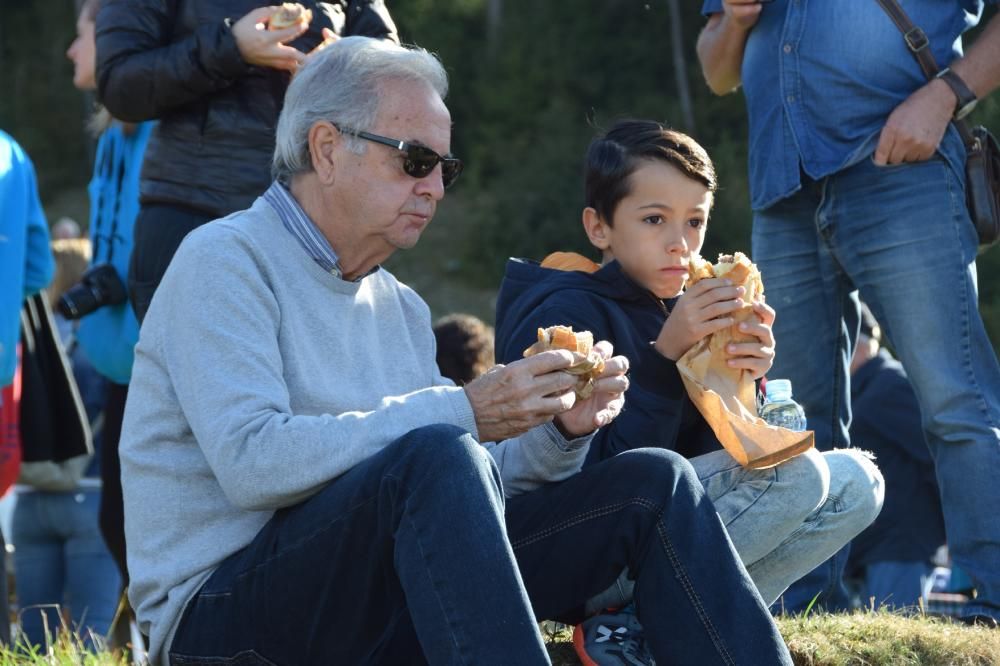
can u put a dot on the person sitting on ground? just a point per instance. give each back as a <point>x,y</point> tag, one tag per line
<point>464,347</point>
<point>649,191</point>
<point>303,487</point>
<point>892,558</point>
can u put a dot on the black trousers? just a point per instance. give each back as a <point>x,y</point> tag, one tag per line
<point>112,513</point>
<point>159,230</point>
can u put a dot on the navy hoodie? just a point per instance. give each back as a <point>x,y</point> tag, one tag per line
<point>608,303</point>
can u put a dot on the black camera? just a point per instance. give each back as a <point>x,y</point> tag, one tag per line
<point>98,287</point>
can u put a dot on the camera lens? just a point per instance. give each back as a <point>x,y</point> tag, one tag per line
<point>98,287</point>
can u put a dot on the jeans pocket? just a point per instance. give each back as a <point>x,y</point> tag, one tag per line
<point>242,658</point>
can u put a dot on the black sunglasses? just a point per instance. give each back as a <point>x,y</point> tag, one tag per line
<point>419,161</point>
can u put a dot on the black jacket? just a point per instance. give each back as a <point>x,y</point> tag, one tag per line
<point>177,61</point>
<point>609,304</point>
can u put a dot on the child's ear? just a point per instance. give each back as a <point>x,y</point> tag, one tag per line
<point>596,228</point>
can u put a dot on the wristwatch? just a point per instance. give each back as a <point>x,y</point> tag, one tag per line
<point>966,98</point>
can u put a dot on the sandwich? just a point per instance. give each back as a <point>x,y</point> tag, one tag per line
<point>587,363</point>
<point>736,267</point>
<point>288,15</point>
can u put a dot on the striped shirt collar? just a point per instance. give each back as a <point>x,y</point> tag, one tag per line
<point>304,230</point>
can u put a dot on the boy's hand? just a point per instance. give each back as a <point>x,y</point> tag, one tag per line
<point>604,404</point>
<point>758,356</point>
<point>700,311</point>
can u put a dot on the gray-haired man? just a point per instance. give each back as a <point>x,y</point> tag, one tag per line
<point>303,487</point>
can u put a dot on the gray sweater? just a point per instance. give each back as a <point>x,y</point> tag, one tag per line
<point>258,379</point>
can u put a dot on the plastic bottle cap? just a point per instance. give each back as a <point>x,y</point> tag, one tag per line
<point>779,389</point>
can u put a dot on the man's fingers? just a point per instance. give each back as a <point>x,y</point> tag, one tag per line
<point>617,384</point>
<point>616,365</point>
<point>550,361</point>
<point>557,404</point>
<point>885,143</point>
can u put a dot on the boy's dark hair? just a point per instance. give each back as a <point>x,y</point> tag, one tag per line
<point>613,158</point>
<point>464,347</point>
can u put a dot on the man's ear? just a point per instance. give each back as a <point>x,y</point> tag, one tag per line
<point>324,139</point>
<point>597,229</point>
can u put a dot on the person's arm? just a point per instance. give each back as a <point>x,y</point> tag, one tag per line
<point>39,264</point>
<point>370,18</point>
<point>915,128</point>
<point>722,41</point>
<point>142,74</point>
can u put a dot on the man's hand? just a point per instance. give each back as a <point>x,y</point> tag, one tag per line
<point>700,311</point>
<point>756,357</point>
<point>604,404</point>
<point>512,399</point>
<point>914,128</point>
<point>266,48</point>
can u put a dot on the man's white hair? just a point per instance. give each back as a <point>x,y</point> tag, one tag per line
<point>343,84</point>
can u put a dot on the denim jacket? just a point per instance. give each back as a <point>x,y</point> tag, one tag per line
<point>822,77</point>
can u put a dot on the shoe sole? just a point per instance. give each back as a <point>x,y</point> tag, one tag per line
<point>578,641</point>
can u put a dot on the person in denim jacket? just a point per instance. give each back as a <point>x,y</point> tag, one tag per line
<point>858,189</point>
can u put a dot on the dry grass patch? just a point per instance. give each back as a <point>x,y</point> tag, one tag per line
<point>876,638</point>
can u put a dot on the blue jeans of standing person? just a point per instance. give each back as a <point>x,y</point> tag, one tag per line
<point>901,237</point>
<point>60,559</point>
<point>414,556</point>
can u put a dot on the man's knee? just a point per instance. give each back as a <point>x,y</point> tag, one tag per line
<point>654,473</point>
<point>444,450</point>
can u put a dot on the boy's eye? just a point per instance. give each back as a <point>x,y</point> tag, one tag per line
<point>653,219</point>
<point>696,222</point>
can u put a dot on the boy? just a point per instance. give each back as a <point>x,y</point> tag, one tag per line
<point>649,191</point>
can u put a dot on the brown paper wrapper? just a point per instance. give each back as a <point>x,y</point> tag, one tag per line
<point>726,397</point>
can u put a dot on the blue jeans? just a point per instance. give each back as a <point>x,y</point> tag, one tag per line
<point>901,237</point>
<point>61,559</point>
<point>894,584</point>
<point>412,557</point>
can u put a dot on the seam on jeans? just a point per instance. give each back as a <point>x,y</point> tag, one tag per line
<point>452,632</point>
<point>689,590</point>
<point>966,317</point>
<point>836,369</point>
<point>597,512</point>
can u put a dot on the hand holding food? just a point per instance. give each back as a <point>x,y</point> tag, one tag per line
<point>588,365</point>
<point>288,15</point>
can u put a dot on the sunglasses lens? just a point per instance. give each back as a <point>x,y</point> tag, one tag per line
<point>420,161</point>
<point>450,168</point>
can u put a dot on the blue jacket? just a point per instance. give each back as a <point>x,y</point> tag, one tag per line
<point>26,263</point>
<point>609,304</point>
<point>108,335</point>
<point>886,421</point>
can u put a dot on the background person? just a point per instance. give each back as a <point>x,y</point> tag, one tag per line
<point>865,198</point>
<point>108,332</point>
<point>60,559</point>
<point>464,347</point>
<point>215,77</point>
<point>26,267</point>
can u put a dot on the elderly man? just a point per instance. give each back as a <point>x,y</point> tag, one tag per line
<point>303,487</point>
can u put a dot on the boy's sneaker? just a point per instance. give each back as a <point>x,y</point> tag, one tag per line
<point>612,638</point>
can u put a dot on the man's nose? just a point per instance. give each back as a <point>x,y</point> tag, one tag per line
<point>431,185</point>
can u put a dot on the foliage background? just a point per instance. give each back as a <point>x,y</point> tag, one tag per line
<point>531,83</point>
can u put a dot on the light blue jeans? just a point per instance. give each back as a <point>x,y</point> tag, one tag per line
<point>60,558</point>
<point>901,237</point>
<point>785,520</point>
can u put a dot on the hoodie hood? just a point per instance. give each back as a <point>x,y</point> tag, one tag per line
<point>527,284</point>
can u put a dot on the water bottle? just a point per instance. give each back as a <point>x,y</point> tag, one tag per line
<point>779,409</point>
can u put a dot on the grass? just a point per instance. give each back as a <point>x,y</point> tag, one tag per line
<point>864,638</point>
